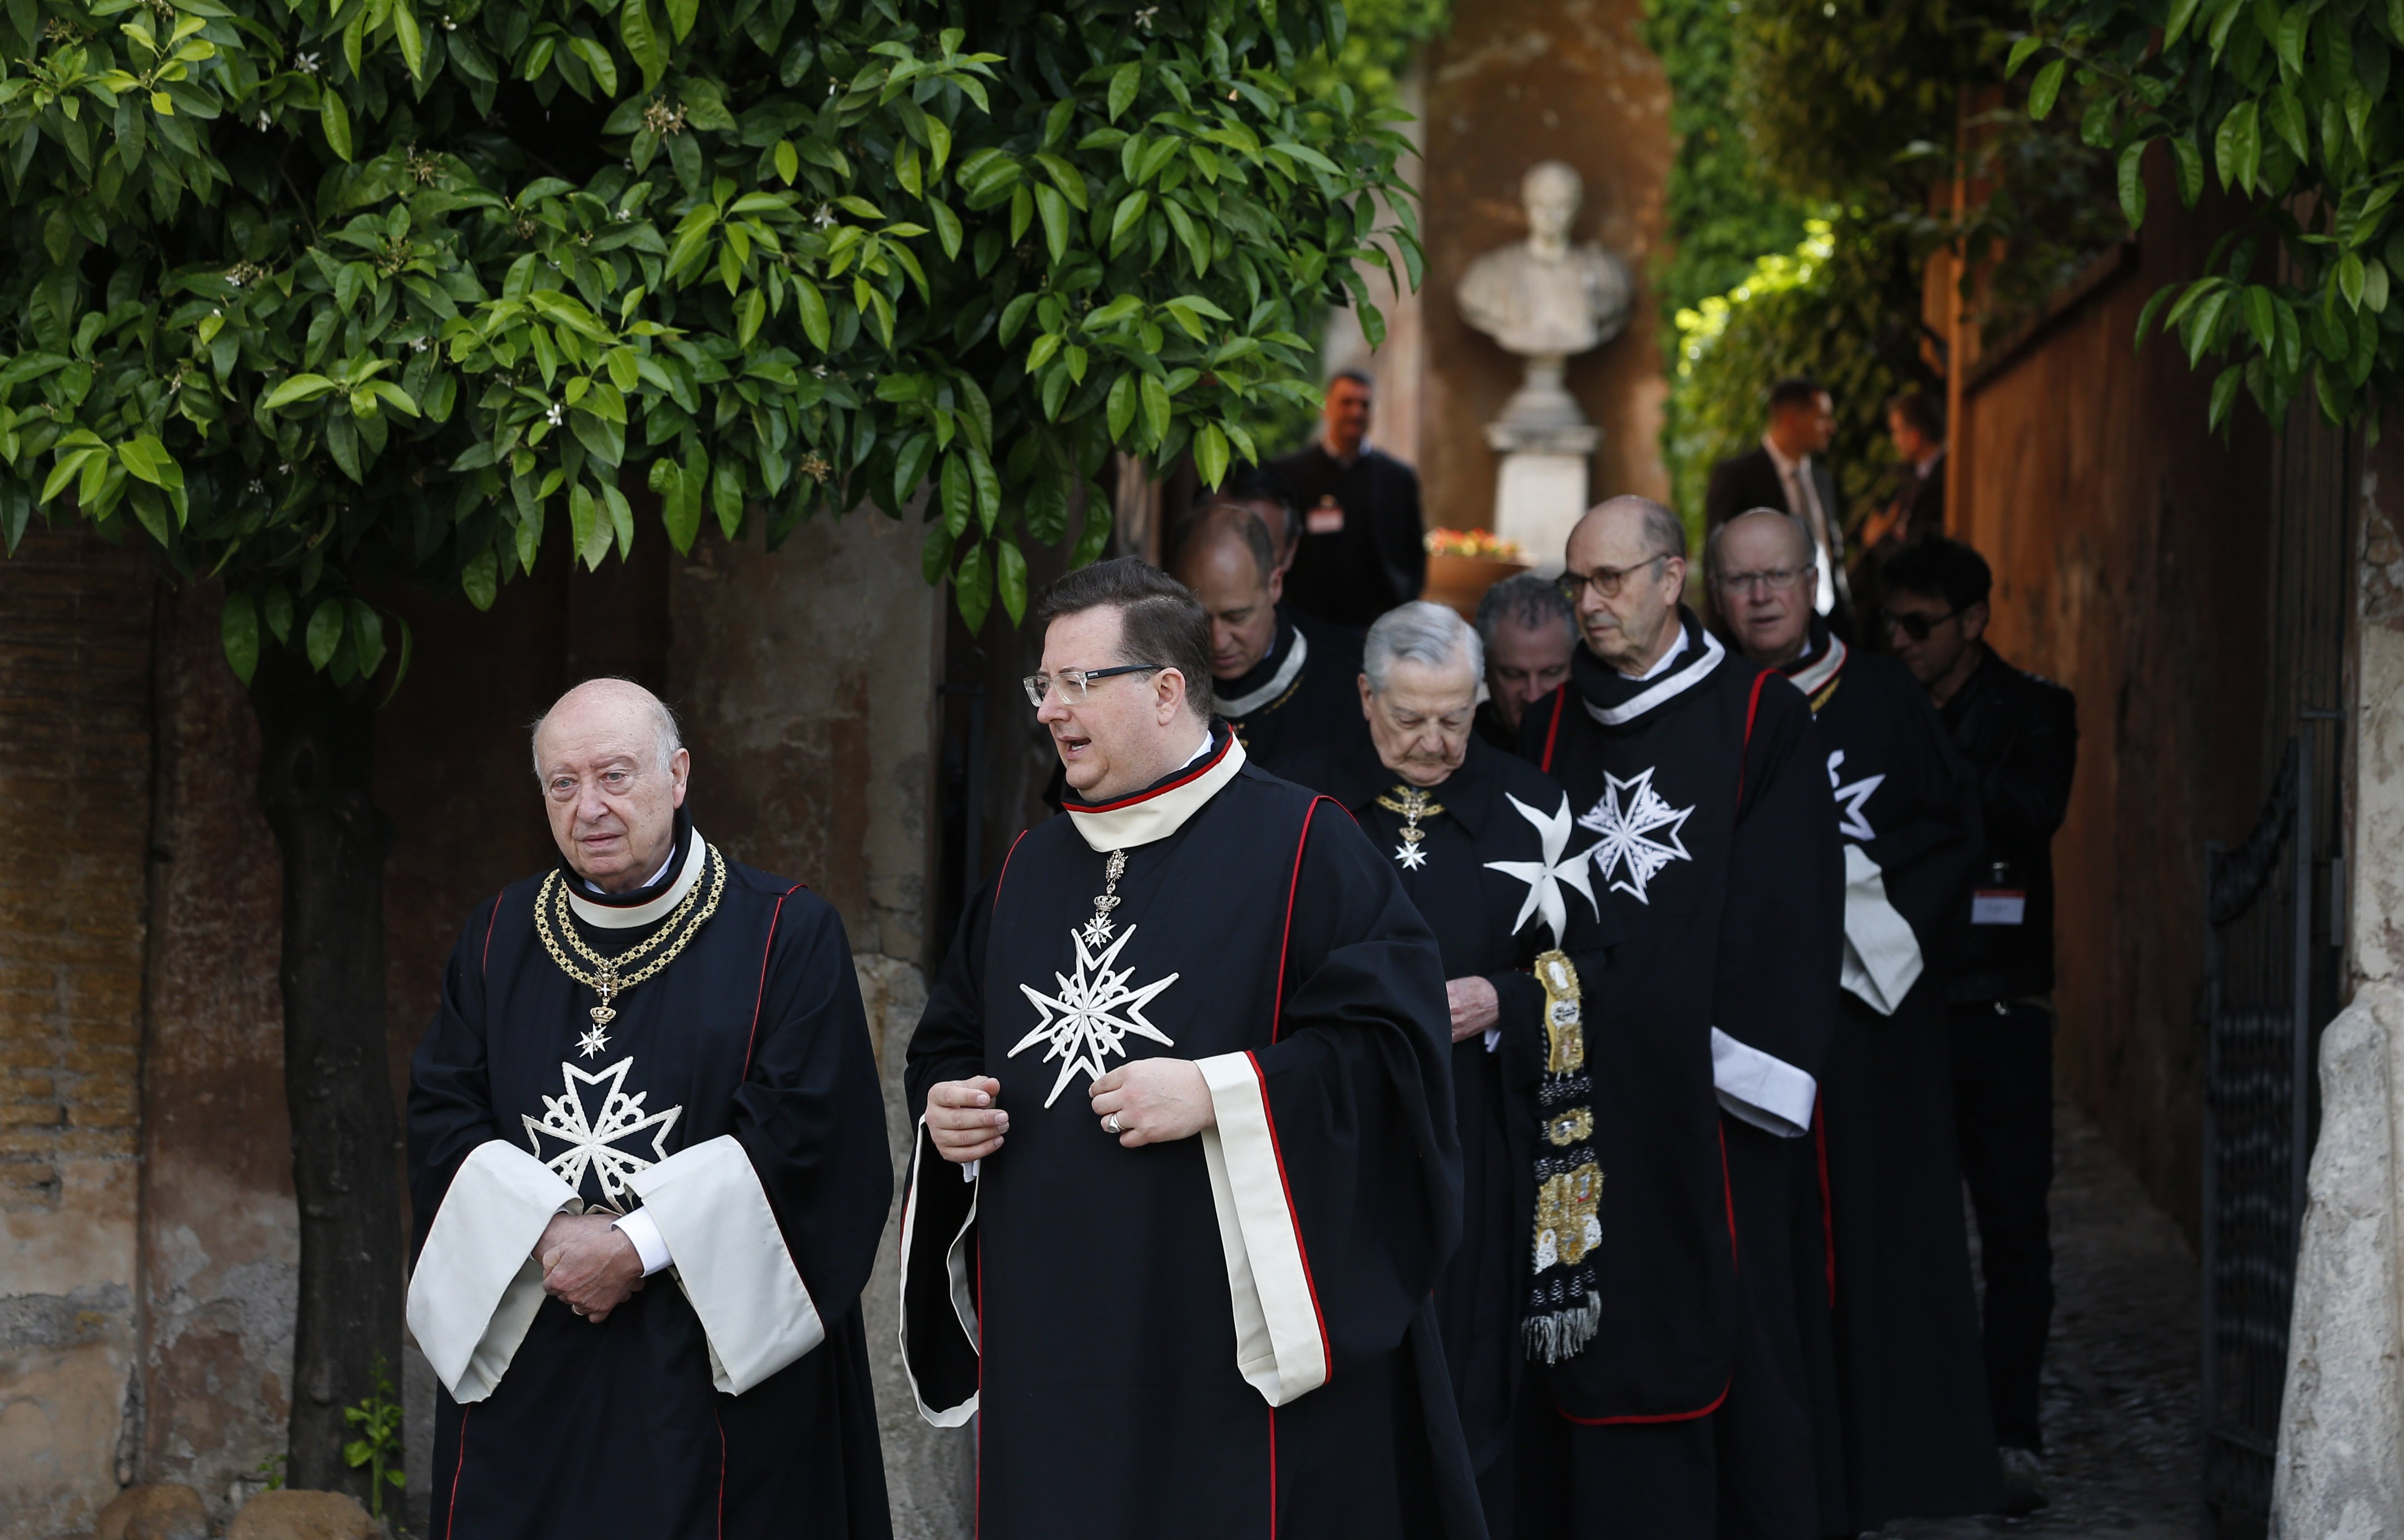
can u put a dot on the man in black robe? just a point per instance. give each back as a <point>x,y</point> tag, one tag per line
<point>1364,547</point>
<point>1185,1172</point>
<point>1917,1438</point>
<point>650,1059</point>
<point>1285,683</point>
<point>1482,843</point>
<point>1715,856</point>
<point>1528,633</point>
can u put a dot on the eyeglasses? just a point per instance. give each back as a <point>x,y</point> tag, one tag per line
<point>1605,581</point>
<point>1074,682</point>
<point>1913,624</point>
<point>1776,579</point>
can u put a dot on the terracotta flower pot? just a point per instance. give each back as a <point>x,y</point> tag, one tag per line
<point>1461,581</point>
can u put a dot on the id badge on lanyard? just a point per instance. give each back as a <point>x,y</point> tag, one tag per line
<point>1998,907</point>
<point>1325,518</point>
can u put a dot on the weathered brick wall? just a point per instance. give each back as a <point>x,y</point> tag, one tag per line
<point>75,809</point>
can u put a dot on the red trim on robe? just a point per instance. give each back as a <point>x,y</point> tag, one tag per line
<point>1727,1193</point>
<point>450,1514</point>
<point>1194,774</point>
<point>1326,1346</point>
<point>1553,728</point>
<point>721,1475</point>
<point>1752,705</point>
<point>765,953</point>
<point>490,920</point>
<point>1654,1417</point>
<point>1285,936</point>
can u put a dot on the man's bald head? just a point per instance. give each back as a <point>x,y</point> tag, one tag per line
<point>1229,563</point>
<point>1626,565</point>
<point>1755,526</point>
<point>613,771</point>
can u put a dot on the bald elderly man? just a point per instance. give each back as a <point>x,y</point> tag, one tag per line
<point>648,1059</point>
<point>1283,681</point>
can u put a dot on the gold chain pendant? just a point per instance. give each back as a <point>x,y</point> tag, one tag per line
<point>606,978</point>
<point>1413,803</point>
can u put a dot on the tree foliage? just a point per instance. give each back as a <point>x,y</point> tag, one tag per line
<point>1722,210</point>
<point>310,293</point>
<point>2291,107</point>
<point>1829,309</point>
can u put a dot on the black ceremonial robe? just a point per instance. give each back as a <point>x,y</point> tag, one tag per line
<point>735,1099</point>
<point>1298,711</point>
<point>1919,1440</point>
<point>1229,1335</point>
<point>1491,922</point>
<point>1706,798</point>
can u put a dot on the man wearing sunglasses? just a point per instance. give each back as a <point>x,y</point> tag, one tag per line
<point>2020,735</point>
<point>1907,1390</point>
<point>1187,1169</point>
<point>1700,779</point>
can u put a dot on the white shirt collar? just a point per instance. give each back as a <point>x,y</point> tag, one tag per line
<point>696,858</point>
<point>1778,457</point>
<point>1658,670</point>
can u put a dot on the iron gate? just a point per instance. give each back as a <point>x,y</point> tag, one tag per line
<point>2275,947</point>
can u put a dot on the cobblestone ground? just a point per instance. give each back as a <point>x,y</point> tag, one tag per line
<point>2120,1370</point>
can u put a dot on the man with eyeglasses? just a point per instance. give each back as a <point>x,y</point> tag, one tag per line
<point>1907,1386</point>
<point>2020,735</point>
<point>1186,1171</point>
<point>1282,681</point>
<point>1700,780</point>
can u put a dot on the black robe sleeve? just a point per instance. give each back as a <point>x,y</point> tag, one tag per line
<point>1345,1135</point>
<point>1774,1000</point>
<point>450,1092</point>
<point>810,1103</point>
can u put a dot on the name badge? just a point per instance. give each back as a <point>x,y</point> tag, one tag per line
<point>1998,907</point>
<point>1327,518</point>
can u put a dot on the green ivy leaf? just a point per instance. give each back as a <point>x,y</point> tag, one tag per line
<point>2132,181</point>
<point>325,633</point>
<point>238,631</point>
<point>480,579</point>
<point>972,586</point>
<point>335,119</point>
<point>367,638</point>
<point>2190,169</point>
<point>2047,86</point>
<point>1124,81</point>
<point>2030,44</point>
<point>1010,576</point>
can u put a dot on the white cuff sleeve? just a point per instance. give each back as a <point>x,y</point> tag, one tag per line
<point>1280,1343</point>
<point>1881,954</point>
<point>478,1286</point>
<point>731,1261</point>
<point>1761,1090</point>
<point>650,1244</point>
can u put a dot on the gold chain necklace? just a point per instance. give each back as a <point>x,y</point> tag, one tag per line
<point>607,977</point>
<point>1414,805</point>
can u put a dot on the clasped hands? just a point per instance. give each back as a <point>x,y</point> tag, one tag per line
<point>589,1263</point>
<point>1148,1102</point>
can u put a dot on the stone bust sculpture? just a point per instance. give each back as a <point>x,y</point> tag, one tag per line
<point>1543,297</point>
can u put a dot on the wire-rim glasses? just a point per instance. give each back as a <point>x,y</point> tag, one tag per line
<point>1073,682</point>
<point>1775,579</point>
<point>1606,582</point>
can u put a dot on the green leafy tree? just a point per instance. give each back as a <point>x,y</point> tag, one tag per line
<point>318,295</point>
<point>2292,108</point>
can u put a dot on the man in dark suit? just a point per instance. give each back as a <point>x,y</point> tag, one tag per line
<point>1913,504</point>
<point>1363,549</point>
<point>1786,473</point>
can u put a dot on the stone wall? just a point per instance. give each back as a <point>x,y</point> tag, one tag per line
<point>75,805</point>
<point>2341,1471</point>
<point>2129,547</point>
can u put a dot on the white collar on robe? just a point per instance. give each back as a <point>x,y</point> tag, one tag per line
<point>1157,814</point>
<point>1817,672</point>
<point>696,858</point>
<point>1235,706</point>
<point>1669,687</point>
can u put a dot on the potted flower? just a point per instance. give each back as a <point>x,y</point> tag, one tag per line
<point>1464,563</point>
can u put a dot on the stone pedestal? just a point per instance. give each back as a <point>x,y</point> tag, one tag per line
<point>1547,444</point>
<point>1538,497</point>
